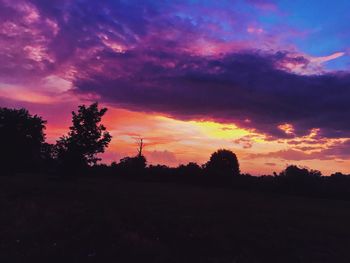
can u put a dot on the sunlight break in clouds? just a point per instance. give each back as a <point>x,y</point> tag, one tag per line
<point>190,77</point>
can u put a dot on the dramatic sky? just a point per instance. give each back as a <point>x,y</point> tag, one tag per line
<point>269,80</point>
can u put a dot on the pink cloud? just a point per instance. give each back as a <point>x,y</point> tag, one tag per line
<point>162,157</point>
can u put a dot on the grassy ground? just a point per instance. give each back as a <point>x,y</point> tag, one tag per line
<point>109,220</point>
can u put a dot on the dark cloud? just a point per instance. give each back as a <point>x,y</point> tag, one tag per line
<point>290,155</point>
<point>340,150</point>
<point>245,141</point>
<point>244,88</point>
<point>157,57</point>
<point>308,148</point>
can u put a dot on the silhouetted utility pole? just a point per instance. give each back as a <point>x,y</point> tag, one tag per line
<point>141,145</point>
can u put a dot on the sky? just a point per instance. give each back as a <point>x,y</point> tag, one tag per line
<point>268,80</point>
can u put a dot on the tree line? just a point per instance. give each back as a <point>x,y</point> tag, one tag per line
<point>24,149</point>
<point>23,145</point>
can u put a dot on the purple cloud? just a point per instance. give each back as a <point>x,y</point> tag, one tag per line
<point>231,88</point>
<point>340,150</point>
<point>167,58</point>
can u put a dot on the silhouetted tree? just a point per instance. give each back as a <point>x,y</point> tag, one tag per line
<point>134,163</point>
<point>339,175</point>
<point>299,180</point>
<point>339,179</point>
<point>293,171</point>
<point>86,138</point>
<point>160,170</point>
<point>132,166</point>
<point>47,156</point>
<point>140,149</point>
<point>21,139</point>
<point>223,162</point>
<point>114,165</point>
<point>190,169</point>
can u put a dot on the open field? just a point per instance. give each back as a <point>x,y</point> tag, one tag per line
<point>109,220</point>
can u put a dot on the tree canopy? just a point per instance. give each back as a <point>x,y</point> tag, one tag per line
<point>223,162</point>
<point>21,139</point>
<point>87,137</point>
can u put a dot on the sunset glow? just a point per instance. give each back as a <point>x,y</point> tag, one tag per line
<point>268,80</point>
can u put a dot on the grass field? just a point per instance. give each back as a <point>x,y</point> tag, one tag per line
<point>110,220</point>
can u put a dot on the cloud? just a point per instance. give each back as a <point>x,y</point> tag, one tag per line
<point>24,41</point>
<point>289,155</point>
<point>41,37</point>
<point>245,141</point>
<point>265,5</point>
<point>231,88</point>
<point>161,157</point>
<point>340,150</point>
<point>166,58</point>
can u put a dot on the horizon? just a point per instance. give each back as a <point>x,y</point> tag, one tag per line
<point>268,80</point>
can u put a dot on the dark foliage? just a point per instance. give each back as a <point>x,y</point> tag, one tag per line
<point>191,169</point>
<point>86,138</point>
<point>223,163</point>
<point>21,139</point>
<point>294,172</point>
<point>133,166</point>
<point>47,156</point>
